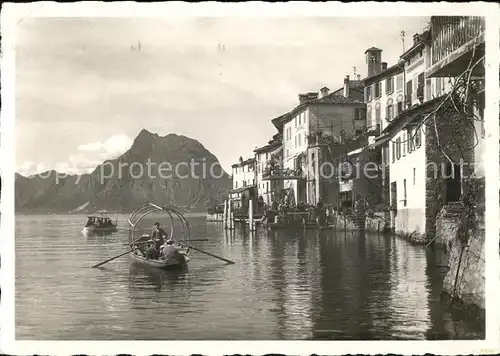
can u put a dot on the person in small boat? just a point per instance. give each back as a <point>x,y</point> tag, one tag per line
<point>158,235</point>
<point>169,252</point>
<point>89,221</point>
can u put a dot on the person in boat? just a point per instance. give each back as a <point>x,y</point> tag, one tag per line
<point>158,236</point>
<point>89,221</point>
<point>169,252</point>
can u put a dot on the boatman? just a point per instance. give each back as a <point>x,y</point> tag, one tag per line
<point>158,236</point>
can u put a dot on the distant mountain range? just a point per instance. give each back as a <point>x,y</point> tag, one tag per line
<point>171,180</point>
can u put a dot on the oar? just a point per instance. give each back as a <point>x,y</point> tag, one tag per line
<point>149,241</point>
<point>111,259</point>
<point>208,253</point>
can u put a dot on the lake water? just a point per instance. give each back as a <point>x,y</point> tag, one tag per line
<point>284,285</point>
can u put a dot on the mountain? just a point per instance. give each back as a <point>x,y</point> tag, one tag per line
<point>172,169</point>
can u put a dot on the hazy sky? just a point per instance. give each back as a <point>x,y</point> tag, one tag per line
<point>83,93</point>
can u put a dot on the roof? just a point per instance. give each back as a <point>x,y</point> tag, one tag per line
<point>242,189</point>
<point>406,115</point>
<point>383,74</point>
<point>269,147</point>
<point>331,99</point>
<point>244,163</point>
<point>373,49</point>
<point>424,36</point>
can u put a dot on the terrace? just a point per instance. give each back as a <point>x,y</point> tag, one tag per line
<point>456,41</point>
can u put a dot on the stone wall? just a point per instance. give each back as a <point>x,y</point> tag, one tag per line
<point>455,137</point>
<point>465,277</point>
<point>378,222</point>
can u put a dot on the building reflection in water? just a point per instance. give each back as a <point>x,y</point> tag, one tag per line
<point>408,291</point>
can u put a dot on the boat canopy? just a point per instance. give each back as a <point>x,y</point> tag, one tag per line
<point>144,210</point>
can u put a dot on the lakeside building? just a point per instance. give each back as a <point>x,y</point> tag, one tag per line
<point>424,158</point>
<point>320,118</point>
<point>244,179</point>
<point>267,157</point>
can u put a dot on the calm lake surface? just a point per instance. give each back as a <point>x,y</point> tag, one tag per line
<point>284,285</point>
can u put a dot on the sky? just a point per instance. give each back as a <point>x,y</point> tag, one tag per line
<point>84,91</point>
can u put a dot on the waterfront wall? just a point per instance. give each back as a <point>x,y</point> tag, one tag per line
<point>375,223</point>
<point>465,277</point>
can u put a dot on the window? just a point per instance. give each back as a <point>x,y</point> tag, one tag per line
<point>418,138</point>
<point>389,85</point>
<point>360,114</point>
<point>368,93</point>
<point>414,175</point>
<point>253,181</point>
<point>400,106</point>
<point>398,148</point>
<point>287,152</point>
<point>409,134</point>
<point>305,139</point>
<point>403,143</point>
<point>390,112</point>
<point>236,185</point>
<point>378,87</point>
<point>295,141</point>
<point>267,186</point>
<point>404,192</point>
<point>300,117</point>
<point>377,115</point>
<point>393,152</point>
<point>409,89</point>
<point>399,82</point>
<point>295,121</point>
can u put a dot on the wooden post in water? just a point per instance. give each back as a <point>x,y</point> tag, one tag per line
<point>224,216</point>
<point>230,213</point>
<point>251,224</point>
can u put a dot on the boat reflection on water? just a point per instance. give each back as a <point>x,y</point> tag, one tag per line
<point>146,276</point>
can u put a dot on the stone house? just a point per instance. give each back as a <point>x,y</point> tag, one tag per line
<point>318,118</point>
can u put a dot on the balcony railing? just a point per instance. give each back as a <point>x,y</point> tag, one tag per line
<point>451,32</point>
<point>281,173</point>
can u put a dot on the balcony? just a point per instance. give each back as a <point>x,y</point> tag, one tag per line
<point>345,186</point>
<point>278,173</point>
<point>454,40</point>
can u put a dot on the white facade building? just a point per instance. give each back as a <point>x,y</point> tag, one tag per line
<point>243,173</point>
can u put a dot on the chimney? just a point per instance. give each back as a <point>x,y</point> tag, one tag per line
<point>302,98</point>
<point>346,86</point>
<point>324,91</point>
<point>312,96</point>
<point>416,39</point>
<point>384,65</point>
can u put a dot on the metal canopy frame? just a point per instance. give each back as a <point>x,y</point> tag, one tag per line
<point>146,209</point>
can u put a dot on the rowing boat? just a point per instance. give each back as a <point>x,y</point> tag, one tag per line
<point>139,243</point>
<point>160,263</point>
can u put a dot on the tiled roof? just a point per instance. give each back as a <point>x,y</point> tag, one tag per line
<point>244,163</point>
<point>335,99</point>
<point>329,99</point>
<point>373,49</point>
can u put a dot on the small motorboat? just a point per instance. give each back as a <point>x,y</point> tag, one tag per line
<point>100,223</point>
<point>140,244</point>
